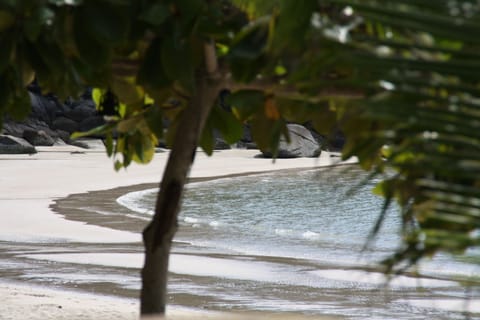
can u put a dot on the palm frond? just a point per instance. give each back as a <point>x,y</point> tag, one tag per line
<point>424,104</point>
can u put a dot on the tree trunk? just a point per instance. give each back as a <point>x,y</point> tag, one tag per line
<point>158,235</point>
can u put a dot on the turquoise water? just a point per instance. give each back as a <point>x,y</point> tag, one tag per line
<point>294,241</point>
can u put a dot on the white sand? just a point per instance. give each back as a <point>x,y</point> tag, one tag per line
<point>29,184</point>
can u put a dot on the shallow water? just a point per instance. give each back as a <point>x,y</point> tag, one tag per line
<point>317,222</point>
<point>285,241</point>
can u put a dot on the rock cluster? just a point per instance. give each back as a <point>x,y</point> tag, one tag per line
<point>49,122</point>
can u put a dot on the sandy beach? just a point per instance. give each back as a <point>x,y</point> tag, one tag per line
<point>29,184</point>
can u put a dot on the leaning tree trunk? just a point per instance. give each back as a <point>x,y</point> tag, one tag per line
<point>158,235</point>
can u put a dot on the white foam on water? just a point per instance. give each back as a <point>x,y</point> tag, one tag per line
<point>191,220</point>
<point>310,235</point>
<point>283,232</point>
<point>214,224</point>
<point>132,201</point>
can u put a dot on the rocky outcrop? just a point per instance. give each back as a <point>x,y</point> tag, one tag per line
<point>15,145</point>
<point>302,144</point>
<point>38,138</point>
<point>65,124</point>
<point>50,120</point>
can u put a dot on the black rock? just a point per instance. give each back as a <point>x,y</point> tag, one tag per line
<point>64,136</point>
<point>38,138</point>
<point>65,124</point>
<point>43,108</point>
<point>81,112</point>
<point>302,144</point>
<point>14,145</point>
<point>18,128</point>
<point>91,123</point>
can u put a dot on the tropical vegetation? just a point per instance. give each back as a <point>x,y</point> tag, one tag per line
<point>398,78</point>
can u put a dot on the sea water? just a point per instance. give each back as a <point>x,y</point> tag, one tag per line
<point>324,215</point>
<point>296,241</point>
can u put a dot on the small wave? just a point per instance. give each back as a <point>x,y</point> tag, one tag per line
<point>310,235</point>
<point>191,220</point>
<point>283,232</point>
<point>214,224</point>
<point>135,201</point>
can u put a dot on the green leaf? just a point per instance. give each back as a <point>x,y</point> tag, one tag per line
<point>207,140</point>
<point>229,127</point>
<point>19,105</point>
<point>106,128</point>
<point>52,55</point>
<point>246,103</point>
<point>267,133</point>
<point>39,18</point>
<point>7,19</point>
<point>293,21</point>
<point>154,119</point>
<point>92,51</point>
<point>109,144</point>
<point>156,14</point>
<point>97,96</point>
<point>118,165</point>
<point>251,42</point>
<point>6,45</point>
<point>187,12</point>
<point>247,52</point>
<point>127,125</point>
<point>152,73</point>
<point>128,92</point>
<point>106,22</point>
<point>177,61</point>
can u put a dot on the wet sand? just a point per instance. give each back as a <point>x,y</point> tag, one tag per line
<point>29,186</point>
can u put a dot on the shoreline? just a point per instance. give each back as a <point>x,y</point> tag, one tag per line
<point>28,200</point>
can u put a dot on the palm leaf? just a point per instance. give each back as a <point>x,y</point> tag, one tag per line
<point>429,116</point>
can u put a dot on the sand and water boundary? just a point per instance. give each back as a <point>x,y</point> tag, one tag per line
<point>29,186</point>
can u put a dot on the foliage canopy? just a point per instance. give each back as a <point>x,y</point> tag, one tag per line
<point>400,78</point>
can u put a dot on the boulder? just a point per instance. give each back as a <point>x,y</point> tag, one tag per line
<point>302,144</point>
<point>65,124</point>
<point>38,138</point>
<point>64,136</point>
<point>91,123</point>
<point>81,112</point>
<point>14,145</point>
<point>43,108</point>
<point>17,129</point>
